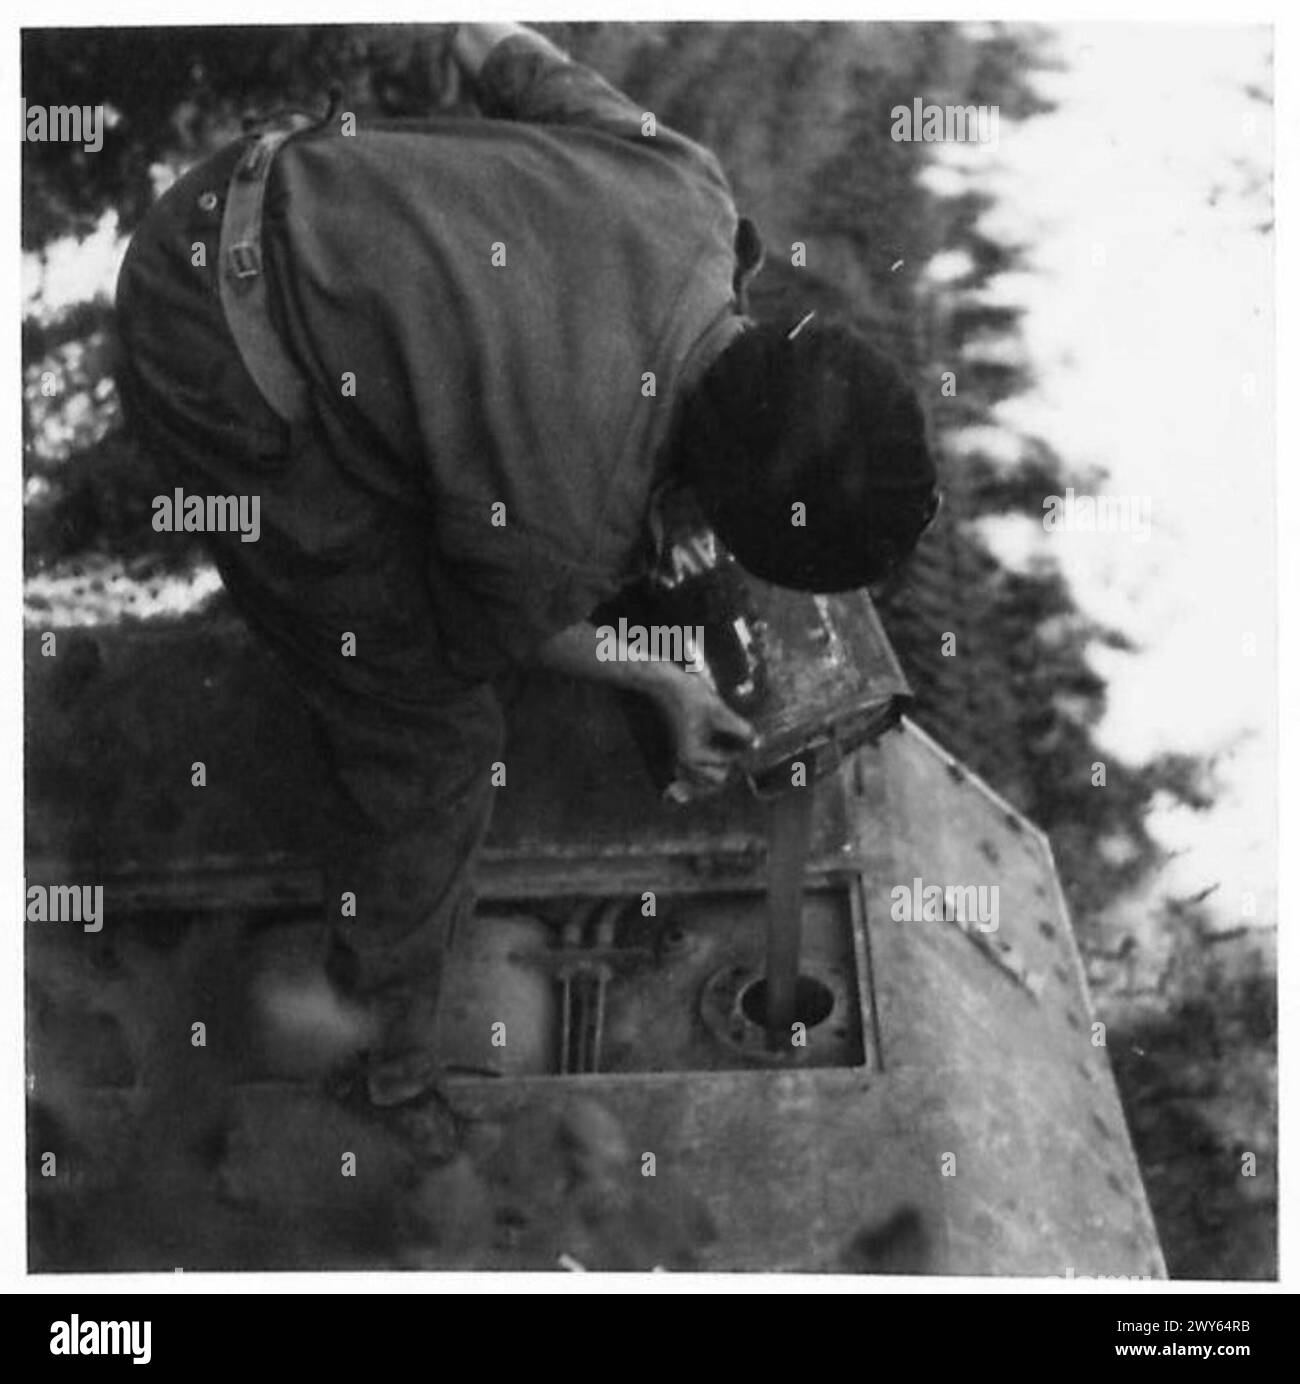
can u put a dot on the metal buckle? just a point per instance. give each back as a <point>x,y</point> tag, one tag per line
<point>245,260</point>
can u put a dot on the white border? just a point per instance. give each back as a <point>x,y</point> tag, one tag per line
<point>13,1275</point>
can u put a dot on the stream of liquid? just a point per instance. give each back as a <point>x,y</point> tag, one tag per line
<point>789,831</point>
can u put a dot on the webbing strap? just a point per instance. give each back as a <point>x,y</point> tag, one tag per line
<point>242,281</point>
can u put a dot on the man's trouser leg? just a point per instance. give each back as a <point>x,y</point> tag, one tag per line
<point>409,750</point>
<point>413,802</point>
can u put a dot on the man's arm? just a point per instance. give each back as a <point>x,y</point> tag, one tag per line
<point>707,735</point>
<point>516,74</point>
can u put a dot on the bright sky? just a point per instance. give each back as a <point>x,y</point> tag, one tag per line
<point>1149,325</point>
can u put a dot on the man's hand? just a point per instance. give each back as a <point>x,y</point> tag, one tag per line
<point>707,735</point>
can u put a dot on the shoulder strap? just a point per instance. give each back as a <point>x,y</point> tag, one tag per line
<point>242,280</point>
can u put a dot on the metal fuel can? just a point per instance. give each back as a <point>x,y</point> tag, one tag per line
<point>815,675</point>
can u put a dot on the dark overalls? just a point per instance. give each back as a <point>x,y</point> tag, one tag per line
<point>409,750</point>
